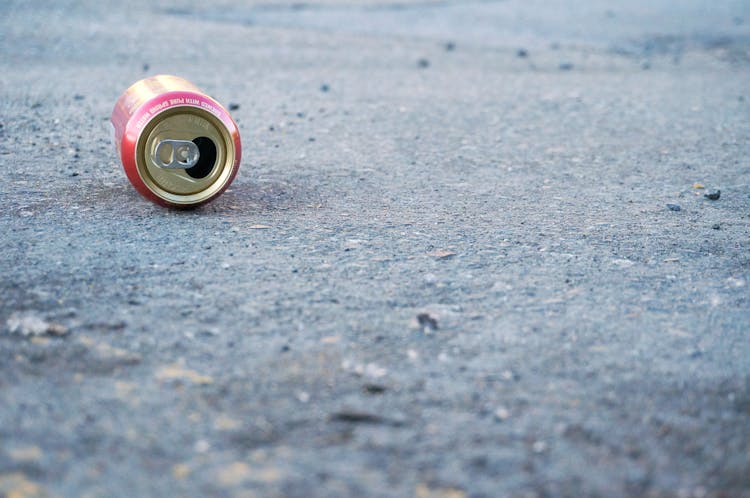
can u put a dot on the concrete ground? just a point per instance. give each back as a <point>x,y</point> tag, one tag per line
<point>447,267</point>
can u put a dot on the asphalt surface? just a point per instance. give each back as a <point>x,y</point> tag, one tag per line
<point>453,273</point>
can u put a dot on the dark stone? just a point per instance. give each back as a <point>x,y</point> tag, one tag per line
<point>522,53</point>
<point>374,388</point>
<point>423,63</point>
<point>713,195</point>
<point>356,417</point>
<point>674,207</point>
<point>427,322</point>
<point>233,106</point>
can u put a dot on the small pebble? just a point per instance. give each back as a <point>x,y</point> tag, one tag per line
<point>674,207</point>
<point>716,226</point>
<point>360,417</point>
<point>449,46</point>
<point>713,195</point>
<point>146,66</point>
<point>78,96</point>
<point>427,322</point>
<point>566,66</point>
<point>233,106</point>
<point>522,53</point>
<point>501,414</point>
<point>201,446</point>
<point>423,63</point>
<point>324,88</point>
<point>539,446</point>
<point>31,324</point>
<point>374,388</point>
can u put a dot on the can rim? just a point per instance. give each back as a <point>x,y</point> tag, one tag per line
<point>226,165</point>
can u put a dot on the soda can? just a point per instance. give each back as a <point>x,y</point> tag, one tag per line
<point>178,146</point>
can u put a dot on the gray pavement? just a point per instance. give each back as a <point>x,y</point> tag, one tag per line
<point>453,274</point>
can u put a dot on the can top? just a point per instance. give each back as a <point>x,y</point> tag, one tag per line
<point>185,155</point>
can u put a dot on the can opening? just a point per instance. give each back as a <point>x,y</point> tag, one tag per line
<point>207,159</point>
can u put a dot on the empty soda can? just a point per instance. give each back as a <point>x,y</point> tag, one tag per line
<point>178,146</point>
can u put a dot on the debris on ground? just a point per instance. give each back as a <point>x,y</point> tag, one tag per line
<point>674,207</point>
<point>107,354</point>
<point>233,106</point>
<point>371,370</point>
<point>539,446</point>
<point>423,63</point>
<point>502,413</point>
<point>25,454</point>
<point>30,323</point>
<point>374,388</point>
<point>17,484</point>
<point>180,373</point>
<point>425,491</point>
<point>427,323</point>
<point>522,53</point>
<point>442,254</point>
<point>698,186</point>
<point>713,195</point>
<point>361,417</point>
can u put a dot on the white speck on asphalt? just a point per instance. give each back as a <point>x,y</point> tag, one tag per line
<point>30,323</point>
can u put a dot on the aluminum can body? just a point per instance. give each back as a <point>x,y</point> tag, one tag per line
<point>178,146</point>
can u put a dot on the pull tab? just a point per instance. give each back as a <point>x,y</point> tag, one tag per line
<point>184,154</point>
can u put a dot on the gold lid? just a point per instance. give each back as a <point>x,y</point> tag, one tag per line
<point>185,185</point>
